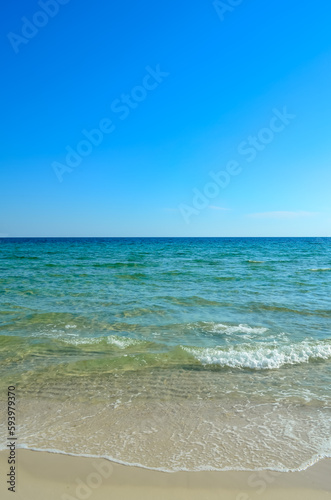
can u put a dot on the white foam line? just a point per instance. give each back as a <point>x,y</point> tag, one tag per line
<point>305,465</point>
<point>263,357</point>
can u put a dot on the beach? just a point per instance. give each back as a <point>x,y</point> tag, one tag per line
<point>53,476</point>
<point>165,251</point>
<point>186,363</point>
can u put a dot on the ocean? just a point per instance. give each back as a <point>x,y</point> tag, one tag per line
<point>169,353</point>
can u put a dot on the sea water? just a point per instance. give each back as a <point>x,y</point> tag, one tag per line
<point>170,353</point>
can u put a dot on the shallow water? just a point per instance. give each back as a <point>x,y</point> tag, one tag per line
<point>170,353</point>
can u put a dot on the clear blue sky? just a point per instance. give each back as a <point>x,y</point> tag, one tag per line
<point>218,84</point>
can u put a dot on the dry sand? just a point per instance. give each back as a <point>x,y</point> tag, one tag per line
<point>49,476</point>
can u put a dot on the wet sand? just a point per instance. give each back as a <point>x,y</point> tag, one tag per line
<point>50,476</point>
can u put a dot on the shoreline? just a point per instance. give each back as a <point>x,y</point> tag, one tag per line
<point>314,461</point>
<point>42,474</point>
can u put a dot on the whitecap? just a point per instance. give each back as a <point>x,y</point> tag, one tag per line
<point>262,357</point>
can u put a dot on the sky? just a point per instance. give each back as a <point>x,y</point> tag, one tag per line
<point>190,118</point>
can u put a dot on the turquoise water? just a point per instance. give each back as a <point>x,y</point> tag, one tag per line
<point>151,341</point>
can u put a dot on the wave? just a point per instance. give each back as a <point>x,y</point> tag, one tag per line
<point>135,276</point>
<point>111,340</point>
<point>229,329</point>
<point>226,278</point>
<point>262,357</point>
<point>278,308</point>
<point>59,339</point>
<point>320,269</point>
<point>116,265</point>
<point>116,351</point>
<point>191,301</point>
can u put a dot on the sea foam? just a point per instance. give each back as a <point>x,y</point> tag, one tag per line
<point>262,357</point>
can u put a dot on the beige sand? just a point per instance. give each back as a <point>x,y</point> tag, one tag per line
<point>48,476</point>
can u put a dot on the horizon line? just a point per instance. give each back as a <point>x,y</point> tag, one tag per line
<point>148,237</point>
